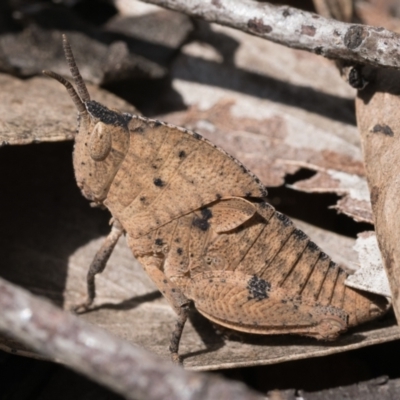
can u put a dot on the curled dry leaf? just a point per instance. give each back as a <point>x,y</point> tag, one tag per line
<point>36,110</point>
<point>354,188</point>
<point>378,119</point>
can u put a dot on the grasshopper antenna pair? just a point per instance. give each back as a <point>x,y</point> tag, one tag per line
<point>82,96</point>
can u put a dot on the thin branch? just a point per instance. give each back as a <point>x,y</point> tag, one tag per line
<point>297,29</point>
<point>127,369</point>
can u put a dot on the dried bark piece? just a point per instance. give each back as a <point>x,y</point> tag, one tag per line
<point>20,100</point>
<point>296,28</point>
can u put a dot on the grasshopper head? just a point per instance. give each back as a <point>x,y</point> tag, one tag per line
<point>102,139</point>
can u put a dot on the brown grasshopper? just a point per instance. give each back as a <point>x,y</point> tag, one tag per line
<point>198,222</point>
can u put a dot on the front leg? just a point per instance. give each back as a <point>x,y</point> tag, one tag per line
<point>99,263</point>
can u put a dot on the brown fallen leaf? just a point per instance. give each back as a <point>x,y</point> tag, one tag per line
<point>24,52</point>
<point>378,118</point>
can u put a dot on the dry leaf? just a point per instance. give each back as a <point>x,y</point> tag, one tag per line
<point>371,275</point>
<point>354,188</point>
<point>378,119</point>
<point>37,110</point>
<point>27,51</point>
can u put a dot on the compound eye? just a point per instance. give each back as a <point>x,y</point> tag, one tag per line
<point>100,142</point>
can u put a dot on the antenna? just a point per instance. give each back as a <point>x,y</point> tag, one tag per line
<point>80,84</point>
<point>71,91</point>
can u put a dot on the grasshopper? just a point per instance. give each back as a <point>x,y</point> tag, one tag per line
<point>198,222</point>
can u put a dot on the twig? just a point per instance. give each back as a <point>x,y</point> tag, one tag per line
<point>127,369</point>
<point>297,29</point>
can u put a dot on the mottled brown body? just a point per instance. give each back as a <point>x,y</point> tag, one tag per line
<point>198,222</point>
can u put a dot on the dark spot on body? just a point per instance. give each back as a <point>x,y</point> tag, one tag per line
<point>286,12</point>
<point>300,234</point>
<point>222,280</point>
<point>154,166</point>
<point>312,246</point>
<point>157,123</point>
<point>165,281</point>
<point>319,50</point>
<point>210,281</point>
<point>179,251</point>
<point>333,265</point>
<point>264,192</point>
<point>158,182</point>
<point>181,154</point>
<point>173,290</point>
<point>142,199</point>
<point>106,115</point>
<point>197,135</point>
<point>243,168</point>
<point>385,129</point>
<point>82,163</point>
<point>308,30</point>
<point>139,129</point>
<point>248,194</point>
<point>258,288</point>
<point>256,25</point>
<point>159,242</point>
<point>354,36</point>
<point>218,196</point>
<point>177,240</point>
<point>323,256</point>
<point>282,217</point>
<point>202,222</point>
<point>295,306</point>
<point>374,194</point>
<point>283,301</point>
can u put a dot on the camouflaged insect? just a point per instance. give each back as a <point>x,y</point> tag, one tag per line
<point>198,222</point>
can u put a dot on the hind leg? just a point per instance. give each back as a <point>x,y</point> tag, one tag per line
<point>175,298</point>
